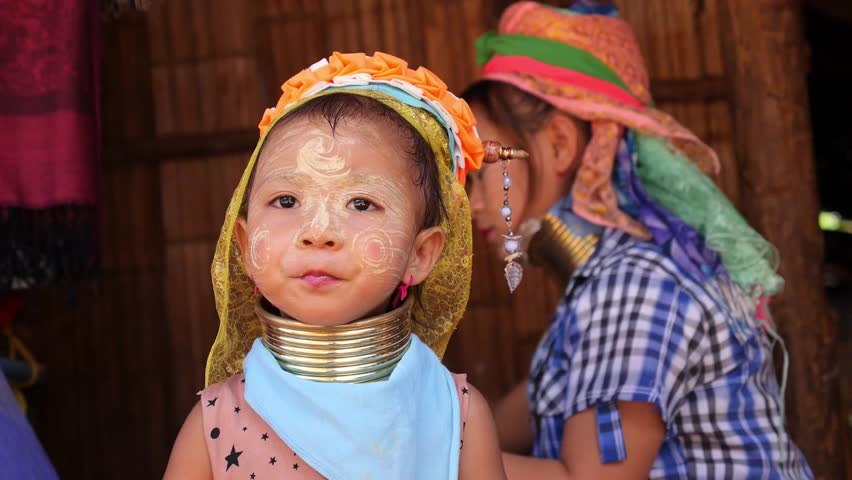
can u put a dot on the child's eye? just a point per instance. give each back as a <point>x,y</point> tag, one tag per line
<point>287,201</point>
<point>362,205</point>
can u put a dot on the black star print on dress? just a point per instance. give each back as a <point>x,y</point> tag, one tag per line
<point>233,458</point>
<point>262,453</point>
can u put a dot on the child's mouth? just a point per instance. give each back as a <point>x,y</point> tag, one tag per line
<point>318,279</point>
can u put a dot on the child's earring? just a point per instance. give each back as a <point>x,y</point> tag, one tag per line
<point>402,291</point>
<point>494,152</point>
<point>254,286</point>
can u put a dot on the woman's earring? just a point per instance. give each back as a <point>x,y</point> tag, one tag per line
<point>495,152</point>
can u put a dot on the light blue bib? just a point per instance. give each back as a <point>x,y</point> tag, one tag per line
<point>407,427</point>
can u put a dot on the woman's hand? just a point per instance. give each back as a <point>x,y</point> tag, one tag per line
<point>513,421</point>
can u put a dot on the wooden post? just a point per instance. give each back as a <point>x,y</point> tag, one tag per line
<point>766,61</point>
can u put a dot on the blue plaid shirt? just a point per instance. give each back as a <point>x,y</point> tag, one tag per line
<point>633,327</point>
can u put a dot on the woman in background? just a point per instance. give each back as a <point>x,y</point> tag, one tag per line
<point>657,363</point>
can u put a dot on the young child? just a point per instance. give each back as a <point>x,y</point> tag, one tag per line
<point>347,249</point>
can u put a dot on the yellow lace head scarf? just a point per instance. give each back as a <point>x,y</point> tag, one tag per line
<point>448,126</point>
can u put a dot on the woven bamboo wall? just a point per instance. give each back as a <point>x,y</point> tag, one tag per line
<point>185,86</point>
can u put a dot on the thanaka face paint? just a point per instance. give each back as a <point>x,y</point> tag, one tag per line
<point>259,248</point>
<point>333,220</point>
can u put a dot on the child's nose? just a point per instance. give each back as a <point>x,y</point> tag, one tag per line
<point>322,230</point>
<point>307,242</point>
<point>326,238</point>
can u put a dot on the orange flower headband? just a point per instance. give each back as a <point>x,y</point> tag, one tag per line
<point>352,69</point>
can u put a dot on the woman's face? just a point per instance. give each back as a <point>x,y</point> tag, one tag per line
<point>536,184</point>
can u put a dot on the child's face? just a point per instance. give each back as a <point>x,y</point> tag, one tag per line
<point>333,222</point>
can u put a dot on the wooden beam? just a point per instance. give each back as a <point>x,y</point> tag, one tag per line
<point>238,141</point>
<point>766,58</point>
<point>709,89</point>
<point>204,145</point>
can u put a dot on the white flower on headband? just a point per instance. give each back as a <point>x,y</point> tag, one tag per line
<point>316,66</point>
<point>356,79</point>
